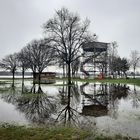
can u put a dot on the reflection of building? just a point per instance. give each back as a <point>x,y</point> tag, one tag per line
<point>46,77</point>
<point>95,110</point>
<point>102,99</point>
<point>95,102</point>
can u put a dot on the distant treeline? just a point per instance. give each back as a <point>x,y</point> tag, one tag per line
<point>6,73</point>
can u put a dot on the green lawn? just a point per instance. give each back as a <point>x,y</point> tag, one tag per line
<point>125,81</point>
<point>12,132</point>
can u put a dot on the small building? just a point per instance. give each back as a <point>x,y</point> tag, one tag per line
<point>46,77</point>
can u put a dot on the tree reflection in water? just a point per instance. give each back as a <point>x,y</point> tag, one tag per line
<point>135,97</point>
<point>37,108</point>
<point>69,98</point>
<point>8,92</point>
<point>36,88</point>
<point>75,105</point>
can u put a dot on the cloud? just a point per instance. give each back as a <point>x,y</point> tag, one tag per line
<point>112,20</point>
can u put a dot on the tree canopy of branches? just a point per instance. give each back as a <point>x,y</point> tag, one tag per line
<point>134,60</point>
<point>67,33</point>
<point>112,54</point>
<point>10,62</point>
<point>75,67</point>
<point>38,55</point>
<point>124,66</point>
<point>22,62</point>
<point>119,66</point>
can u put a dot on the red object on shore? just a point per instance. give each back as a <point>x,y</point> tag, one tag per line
<point>101,76</point>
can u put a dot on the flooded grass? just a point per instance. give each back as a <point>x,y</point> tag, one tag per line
<point>123,81</point>
<point>4,82</point>
<point>119,80</point>
<point>12,132</point>
<point>98,105</point>
<point>15,132</point>
<point>2,90</point>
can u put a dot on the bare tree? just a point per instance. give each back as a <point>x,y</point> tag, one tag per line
<point>112,54</point>
<point>39,55</point>
<point>125,65</point>
<point>63,65</point>
<point>29,53</point>
<point>75,67</point>
<point>22,62</point>
<point>134,60</point>
<point>10,62</point>
<point>67,33</point>
<point>119,66</point>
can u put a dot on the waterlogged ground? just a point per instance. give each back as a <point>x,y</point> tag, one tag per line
<point>107,108</point>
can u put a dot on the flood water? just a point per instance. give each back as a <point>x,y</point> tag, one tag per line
<point>108,108</point>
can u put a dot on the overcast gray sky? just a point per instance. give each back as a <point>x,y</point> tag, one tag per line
<point>111,20</point>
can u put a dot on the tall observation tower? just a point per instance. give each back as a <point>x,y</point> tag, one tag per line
<point>94,59</point>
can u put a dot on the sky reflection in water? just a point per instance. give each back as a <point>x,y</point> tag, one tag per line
<point>111,108</point>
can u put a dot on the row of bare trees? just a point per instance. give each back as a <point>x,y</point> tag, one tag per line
<point>64,35</point>
<point>36,56</point>
<point>135,60</point>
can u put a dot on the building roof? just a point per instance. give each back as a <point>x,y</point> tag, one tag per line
<point>46,73</point>
<point>95,46</point>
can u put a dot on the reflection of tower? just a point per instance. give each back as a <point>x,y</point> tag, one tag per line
<point>95,99</point>
<point>102,99</point>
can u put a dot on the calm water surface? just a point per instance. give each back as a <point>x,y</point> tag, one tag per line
<point>108,108</point>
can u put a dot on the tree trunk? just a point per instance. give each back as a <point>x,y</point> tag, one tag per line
<point>134,73</point>
<point>113,75</point>
<point>34,76</point>
<point>63,70</point>
<point>39,78</point>
<point>67,70</point>
<point>22,88</point>
<point>68,105</point>
<point>69,74</point>
<point>23,75</point>
<point>33,89</point>
<point>125,75</point>
<point>39,89</point>
<point>73,73</point>
<point>13,77</point>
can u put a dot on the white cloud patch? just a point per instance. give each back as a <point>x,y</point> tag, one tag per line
<point>112,20</point>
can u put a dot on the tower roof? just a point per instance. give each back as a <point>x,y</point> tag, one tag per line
<point>95,46</point>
